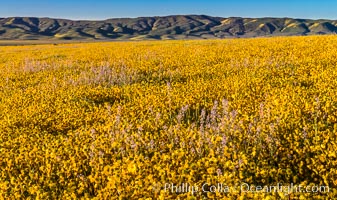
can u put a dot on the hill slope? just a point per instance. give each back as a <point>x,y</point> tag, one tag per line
<point>168,27</point>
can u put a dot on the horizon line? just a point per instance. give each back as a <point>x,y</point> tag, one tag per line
<point>136,17</point>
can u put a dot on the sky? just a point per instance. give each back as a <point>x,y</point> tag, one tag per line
<point>104,9</point>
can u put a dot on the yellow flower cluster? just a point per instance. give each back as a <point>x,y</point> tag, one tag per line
<point>169,119</point>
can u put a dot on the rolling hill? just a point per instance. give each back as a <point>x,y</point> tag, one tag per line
<point>155,28</point>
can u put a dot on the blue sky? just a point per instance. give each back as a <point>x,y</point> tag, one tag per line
<point>103,9</point>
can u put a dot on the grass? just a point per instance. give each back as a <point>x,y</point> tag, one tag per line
<point>123,119</point>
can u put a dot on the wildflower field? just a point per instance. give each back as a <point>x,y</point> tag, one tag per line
<point>129,120</point>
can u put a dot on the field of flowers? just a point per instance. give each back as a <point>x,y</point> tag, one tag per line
<point>128,120</point>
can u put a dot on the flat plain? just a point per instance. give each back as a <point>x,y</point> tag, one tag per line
<point>130,120</point>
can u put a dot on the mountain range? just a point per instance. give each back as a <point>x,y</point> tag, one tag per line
<point>156,28</point>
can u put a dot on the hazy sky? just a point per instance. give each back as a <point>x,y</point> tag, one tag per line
<point>103,9</point>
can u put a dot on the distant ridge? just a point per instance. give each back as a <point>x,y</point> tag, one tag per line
<point>156,28</point>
